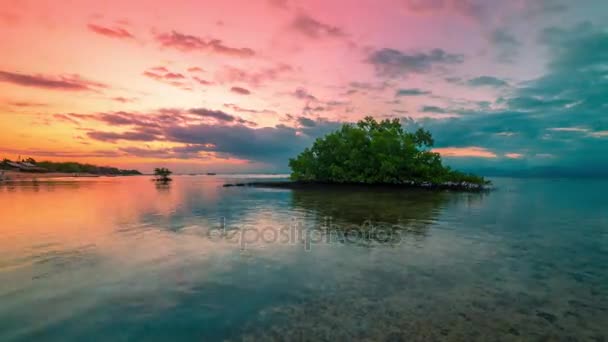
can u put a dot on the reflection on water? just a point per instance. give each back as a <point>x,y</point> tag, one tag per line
<point>129,259</point>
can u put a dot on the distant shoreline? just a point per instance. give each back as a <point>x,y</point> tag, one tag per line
<point>11,176</point>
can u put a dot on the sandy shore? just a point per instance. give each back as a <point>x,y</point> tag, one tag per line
<point>25,176</point>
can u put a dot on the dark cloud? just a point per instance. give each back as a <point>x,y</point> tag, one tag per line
<point>202,81</point>
<point>411,92</point>
<point>66,83</point>
<point>240,91</point>
<point>228,136</point>
<point>112,32</point>
<point>306,122</point>
<point>367,86</point>
<point>433,109</point>
<point>303,94</point>
<point>215,114</point>
<point>313,28</point>
<point>486,81</point>
<point>394,63</point>
<point>189,43</point>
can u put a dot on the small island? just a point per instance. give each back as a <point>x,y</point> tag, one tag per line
<point>161,175</point>
<point>372,153</point>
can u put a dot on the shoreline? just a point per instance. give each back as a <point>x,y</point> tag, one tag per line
<point>461,187</point>
<point>16,176</point>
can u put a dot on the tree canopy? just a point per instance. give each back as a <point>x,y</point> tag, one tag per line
<point>162,174</point>
<point>373,152</point>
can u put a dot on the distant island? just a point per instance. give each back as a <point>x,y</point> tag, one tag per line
<point>375,153</point>
<point>30,168</point>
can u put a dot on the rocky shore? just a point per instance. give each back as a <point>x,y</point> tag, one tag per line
<point>451,186</point>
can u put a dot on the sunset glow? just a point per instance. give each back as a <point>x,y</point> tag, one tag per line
<point>234,86</point>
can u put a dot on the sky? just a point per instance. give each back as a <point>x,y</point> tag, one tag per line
<point>505,87</point>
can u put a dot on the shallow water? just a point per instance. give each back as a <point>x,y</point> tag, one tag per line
<point>126,259</point>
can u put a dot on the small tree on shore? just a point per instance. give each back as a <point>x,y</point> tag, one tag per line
<point>162,174</point>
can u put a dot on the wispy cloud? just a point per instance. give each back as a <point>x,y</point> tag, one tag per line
<point>465,152</point>
<point>313,28</point>
<point>411,92</point>
<point>112,32</point>
<point>188,43</point>
<point>63,82</point>
<point>240,90</point>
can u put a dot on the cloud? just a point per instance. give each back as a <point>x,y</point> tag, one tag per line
<point>228,136</point>
<point>473,9</point>
<point>195,69</point>
<point>312,28</point>
<point>560,114</point>
<point>411,92</point>
<point>115,32</point>
<point>394,63</point>
<point>65,82</point>
<point>306,122</point>
<point>24,104</point>
<point>433,109</point>
<point>506,45</point>
<point>216,114</point>
<point>303,94</point>
<point>113,137</point>
<point>202,81</point>
<point>513,155</point>
<point>122,99</point>
<point>252,78</point>
<point>465,152</point>
<point>367,86</point>
<point>162,74</point>
<point>240,109</point>
<point>487,81</point>
<point>240,91</point>
<point>189,43</point>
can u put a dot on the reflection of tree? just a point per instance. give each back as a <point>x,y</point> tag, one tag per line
<point>163,186</point>
<point>347,208</point>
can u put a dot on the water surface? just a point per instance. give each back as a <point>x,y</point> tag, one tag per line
<point>125,259</point>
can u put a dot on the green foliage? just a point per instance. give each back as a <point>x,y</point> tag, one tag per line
<point>73,167</point>
<point>375,152</point>
<point>162,174</point>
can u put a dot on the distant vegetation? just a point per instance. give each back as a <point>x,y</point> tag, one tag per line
<point>70,167</point>
<point>162,174</point>
<point>372,152</point>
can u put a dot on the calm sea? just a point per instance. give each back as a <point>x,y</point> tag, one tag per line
<point>124,259</point>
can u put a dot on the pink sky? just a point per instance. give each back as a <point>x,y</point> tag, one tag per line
<point>256,64</point>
